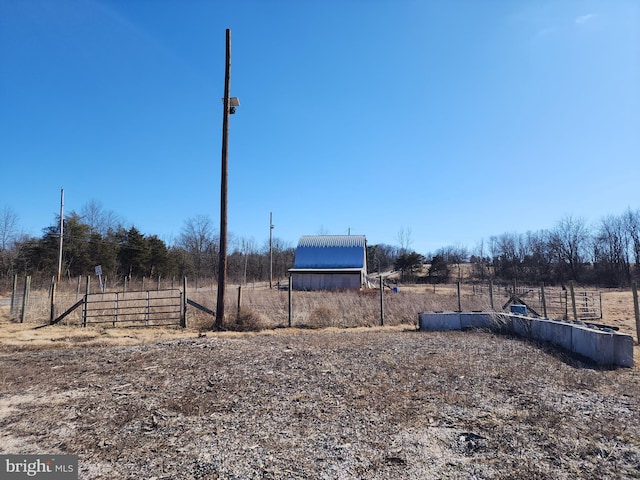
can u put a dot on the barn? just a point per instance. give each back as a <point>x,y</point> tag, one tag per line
<point>330,262</point>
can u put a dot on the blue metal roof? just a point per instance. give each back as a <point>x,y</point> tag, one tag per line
<point>331,251</point>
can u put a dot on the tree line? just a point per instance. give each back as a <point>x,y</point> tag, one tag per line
<point>100,238</point>
<point>606,253</point>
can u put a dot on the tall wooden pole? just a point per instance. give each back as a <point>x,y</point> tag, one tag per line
<point>222,264</point>
<point>61,234</point>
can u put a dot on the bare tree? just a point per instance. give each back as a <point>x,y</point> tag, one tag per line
<point>611,251</point>
<point>9,229</point>
<point>404,239</point>
<point>568,242</point>
<point>199,240</point>
<point>98,219</point>
<point>632,223</point>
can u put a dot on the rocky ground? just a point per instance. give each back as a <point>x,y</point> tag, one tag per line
<point>381,403</point>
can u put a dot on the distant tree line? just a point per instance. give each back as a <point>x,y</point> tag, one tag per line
<point>605,254</point>
<point>100,239</point>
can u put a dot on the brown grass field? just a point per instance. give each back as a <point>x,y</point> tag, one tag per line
<point>339,397</point>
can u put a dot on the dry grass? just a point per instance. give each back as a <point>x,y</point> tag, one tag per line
<point>265,308</point>
<point>375,403</point>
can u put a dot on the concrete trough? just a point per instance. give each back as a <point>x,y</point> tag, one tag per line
<point>603,346</point>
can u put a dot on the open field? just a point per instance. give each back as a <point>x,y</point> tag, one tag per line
<point>372,402</point>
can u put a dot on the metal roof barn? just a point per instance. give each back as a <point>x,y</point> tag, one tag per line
<point>330,262</point>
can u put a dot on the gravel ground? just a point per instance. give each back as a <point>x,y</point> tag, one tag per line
<point>346,404</point>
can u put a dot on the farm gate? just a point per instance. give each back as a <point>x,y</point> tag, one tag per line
<point>149,308</point>
<point>138,308</point>
<point>554,302</point>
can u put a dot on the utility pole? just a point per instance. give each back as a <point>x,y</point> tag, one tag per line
<point>222,264</point>
<point>61,234</point>
<point>270,250</point>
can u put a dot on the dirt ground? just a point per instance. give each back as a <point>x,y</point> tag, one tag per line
<point>378,403</point>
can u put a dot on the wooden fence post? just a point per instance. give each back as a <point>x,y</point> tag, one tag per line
<point>636,310</point>
<point>381,301</point>
<point>52,314</point>
<point>290,302</point>
<point>600,295</point>
<point>85,305</point>
<point>25,297</point>
<point>573,299</point>
<point>184,302</point>
<point>115,310</point>
<point>13,294</point>
<point>239,302</point>
<point>544,301</point>
<point>459,299</point>
<point>491,294</point>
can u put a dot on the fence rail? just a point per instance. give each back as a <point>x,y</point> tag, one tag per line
<point>145,308</point>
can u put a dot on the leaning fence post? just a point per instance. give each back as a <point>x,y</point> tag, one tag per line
<point>25,297</point>
<point>544,301</point>
<point>573,300</point>
<point>636,310</point>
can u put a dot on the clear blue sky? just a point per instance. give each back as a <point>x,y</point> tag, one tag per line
<point>455,119</point>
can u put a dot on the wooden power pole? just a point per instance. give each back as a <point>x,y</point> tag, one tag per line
<point>222,264</point>
<point>61,235</point>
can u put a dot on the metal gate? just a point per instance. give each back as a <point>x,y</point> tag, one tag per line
<point>134,309</point>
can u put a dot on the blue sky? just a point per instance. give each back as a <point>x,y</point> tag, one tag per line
<point>456,120</point>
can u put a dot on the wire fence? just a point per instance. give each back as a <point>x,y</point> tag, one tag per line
<point>256,304</point>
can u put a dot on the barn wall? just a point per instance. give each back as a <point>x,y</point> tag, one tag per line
<point>326,281</point>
